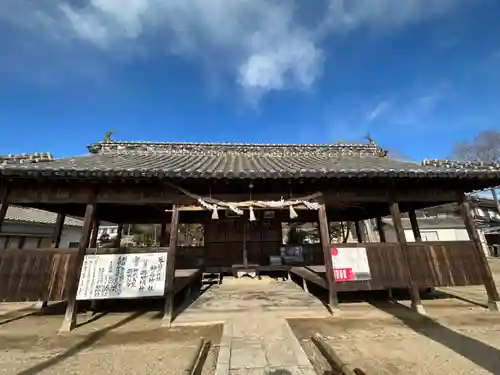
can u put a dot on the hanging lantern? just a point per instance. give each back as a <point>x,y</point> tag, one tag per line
<point>215,213</point>
<point>252,214</point>
<point>293,214</point>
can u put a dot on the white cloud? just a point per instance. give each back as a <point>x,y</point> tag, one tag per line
<point>378,110</point>
<point>264,44</point>
<point>417,110</point>
<point>383,14</point>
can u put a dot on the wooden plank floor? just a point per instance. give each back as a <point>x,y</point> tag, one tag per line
<point>185,277</point>
<point>310,274</point>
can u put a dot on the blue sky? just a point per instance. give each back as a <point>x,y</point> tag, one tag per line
<point>417,74</point>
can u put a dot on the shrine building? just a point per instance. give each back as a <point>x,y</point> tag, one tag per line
<point>241,194</point>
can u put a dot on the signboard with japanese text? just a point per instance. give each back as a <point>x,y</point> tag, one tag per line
<point>350,264</point>
<point>108,276</point>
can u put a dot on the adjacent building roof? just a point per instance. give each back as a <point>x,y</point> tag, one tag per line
<point>449,222</point>
<point>36,216</point>
<point>25,158</point>
<point>210,160</point>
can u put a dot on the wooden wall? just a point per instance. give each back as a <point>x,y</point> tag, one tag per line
<point>224,241</point>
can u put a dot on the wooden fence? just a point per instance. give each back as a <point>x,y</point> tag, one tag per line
<point>387,267</point>
<point>43,274</point>
<point>452,263</point>
<point>32,275</point>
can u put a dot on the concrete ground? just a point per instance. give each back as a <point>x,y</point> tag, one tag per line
<point>123,343</point>
<point>455,337</point>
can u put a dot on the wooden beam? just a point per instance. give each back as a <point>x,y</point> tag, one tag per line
<point>163,234</point>
<point>245,250</point>
<point>58,229</point>
<point>56,241</point>
<point>170,277</point>
<point>52,192</point>
<point>380,229</point>
<point>119,234</point>
<point>333,301</point>
<point>416,302</point>
<point>489,283</point>
<point>360,235</point>
<point>71,309</point>
<point>95,234</point>
<point>4,204</point>
<point>414,226</point>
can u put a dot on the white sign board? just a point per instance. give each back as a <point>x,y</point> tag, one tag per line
<point>350,264</point>
<point>107,276</point>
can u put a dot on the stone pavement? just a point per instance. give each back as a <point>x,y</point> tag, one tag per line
<point>261,347</point>
<point>256,338</point>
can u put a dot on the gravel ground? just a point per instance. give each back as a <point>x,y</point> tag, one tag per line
<point>110,344</point>
<point>385,338</point>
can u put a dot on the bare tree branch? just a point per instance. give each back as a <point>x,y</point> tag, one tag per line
<point>484,147</point>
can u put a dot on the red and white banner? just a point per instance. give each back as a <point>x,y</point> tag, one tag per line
<point>350,264</point>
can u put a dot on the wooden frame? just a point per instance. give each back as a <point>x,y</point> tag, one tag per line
<point>71,309</point>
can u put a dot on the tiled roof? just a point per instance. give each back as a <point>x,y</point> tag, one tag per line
<point>205,160</point>
<point>33,215</point>
<point>25,158</point>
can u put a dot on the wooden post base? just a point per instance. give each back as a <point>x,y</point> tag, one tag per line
<point>93,308</point>
<point>41,305</point>
<point>67,326</point>
<point>419,308</point>
<point>494,305</point>
<point>304,285</point>
<point>390,294</point>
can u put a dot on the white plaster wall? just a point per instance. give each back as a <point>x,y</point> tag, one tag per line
<point>69,234</point>
<point>448,234</point>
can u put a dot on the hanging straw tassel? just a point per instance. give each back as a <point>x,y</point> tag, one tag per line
<point>293,214</point>
<point>252,214</point>
<point>215,213</point>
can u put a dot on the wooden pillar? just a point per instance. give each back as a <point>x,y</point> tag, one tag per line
<point>245,251</point>
<point>414,226</point>
<point>58,229</point>
<point>4,205</point>
<point>489,283</point>
<point>416,302</point>
<point>163,234</point>
<point>370,235</point>
<point>119,235</point>
<point>56,241</point>
<point>380,229</point>
<point>95,234</point>
<point>358,225</point>
<point>71,308</point>
<point>382,238</point>
<point>170,276</point>
<point>333,301</point>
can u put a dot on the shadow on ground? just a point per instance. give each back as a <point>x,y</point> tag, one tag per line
<point>182,305</point>
<point>89,340</point>
<point>481,354</point>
